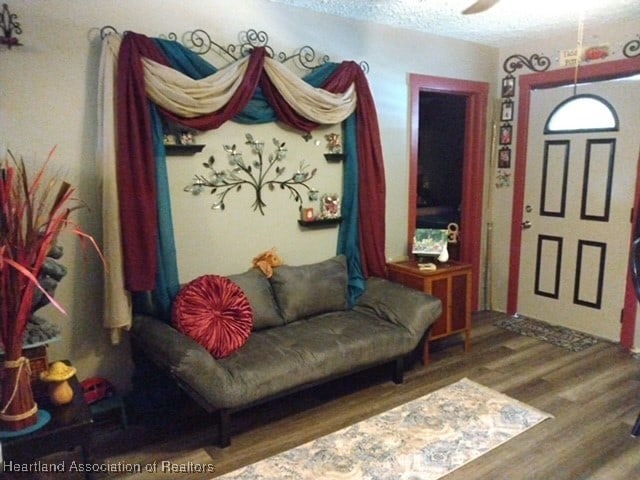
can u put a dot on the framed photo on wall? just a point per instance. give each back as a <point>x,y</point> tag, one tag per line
<point>508,86</point>
<point>504,157</point>
<point>507,110</point>
<point>505,134</point>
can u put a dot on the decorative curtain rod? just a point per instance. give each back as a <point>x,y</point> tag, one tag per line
<point>201,43</point>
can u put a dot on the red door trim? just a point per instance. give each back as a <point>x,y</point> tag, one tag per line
<point>596,72</point>
<point>477,94</point>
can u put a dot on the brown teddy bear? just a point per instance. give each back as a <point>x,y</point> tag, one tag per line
<point>266,261</point>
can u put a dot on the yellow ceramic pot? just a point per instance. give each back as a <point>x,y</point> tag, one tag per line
<point>60,393</point>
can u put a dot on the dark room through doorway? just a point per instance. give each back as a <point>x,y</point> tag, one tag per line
<point>440,166</point>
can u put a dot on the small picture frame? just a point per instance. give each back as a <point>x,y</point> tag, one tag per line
<point>505,134</point>
<point>504,157</point>
<point>508,86</point>
<point>308,214</point>
<point>330,206</point>
<point>429,241</point>
<point>506,115</point>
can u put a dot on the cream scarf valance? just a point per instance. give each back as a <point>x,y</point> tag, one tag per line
<point>189,98</point>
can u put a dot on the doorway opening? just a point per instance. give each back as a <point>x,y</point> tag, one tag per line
<point>440,173</point>
<point>462,104</point>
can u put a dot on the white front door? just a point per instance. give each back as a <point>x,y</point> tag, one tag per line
<point>577,222</point>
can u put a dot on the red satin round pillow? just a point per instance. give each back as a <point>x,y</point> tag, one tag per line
<point>215,312</point>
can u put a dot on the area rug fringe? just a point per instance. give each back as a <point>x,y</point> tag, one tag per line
<point>554,334</point>
<point>424,439</point>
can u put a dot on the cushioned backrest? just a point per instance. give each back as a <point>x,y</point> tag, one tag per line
<point>258,290</point>
<point>306,290</point>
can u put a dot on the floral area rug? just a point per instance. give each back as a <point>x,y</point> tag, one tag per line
<point>422,439</point>
<point>554,334</point>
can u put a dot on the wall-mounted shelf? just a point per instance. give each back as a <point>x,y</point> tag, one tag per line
<point>320,222</point>
<point>182,150</point>
<point>334,157</point>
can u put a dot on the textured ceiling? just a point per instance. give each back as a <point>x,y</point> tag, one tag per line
<point>506,22</point>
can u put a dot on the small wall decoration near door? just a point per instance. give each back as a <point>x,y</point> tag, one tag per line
<point>632,48</point>
<point>504,157</point>
<point>508,86</point>
<point>505,134</point>
<point>503,178</point>
<point>506,114</point>
<point>535,63</point>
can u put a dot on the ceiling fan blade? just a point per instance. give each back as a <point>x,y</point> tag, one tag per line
<point>479,6</point>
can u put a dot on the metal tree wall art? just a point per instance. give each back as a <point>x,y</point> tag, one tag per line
<point>257,175</point>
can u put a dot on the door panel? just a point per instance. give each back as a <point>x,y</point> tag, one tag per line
<point>578,197</point>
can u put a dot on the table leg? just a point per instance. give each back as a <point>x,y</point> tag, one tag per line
<point>425,353</point>
<point>467,340</point>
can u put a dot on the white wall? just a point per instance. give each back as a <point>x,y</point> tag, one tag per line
<point>48,97</point>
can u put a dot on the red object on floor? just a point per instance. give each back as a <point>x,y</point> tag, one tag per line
<point>95,389</point>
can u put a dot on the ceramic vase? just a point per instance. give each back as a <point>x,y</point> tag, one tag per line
<point>444,255</point>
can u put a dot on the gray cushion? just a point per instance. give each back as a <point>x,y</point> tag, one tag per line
<point>258,290</point>
<point>277,359</point>
<point>306,290</point>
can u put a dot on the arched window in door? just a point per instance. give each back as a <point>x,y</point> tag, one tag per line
<point>582,113</point>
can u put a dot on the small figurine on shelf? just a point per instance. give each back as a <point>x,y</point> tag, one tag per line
<point>330,206</point>
<point>335,148</point>
<point>186,138</point>
<point>333,145</point>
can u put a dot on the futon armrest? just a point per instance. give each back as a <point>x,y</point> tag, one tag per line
<point>412,309</point>
<point>183,357</point>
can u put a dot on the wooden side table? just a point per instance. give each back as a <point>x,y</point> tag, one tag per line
<point>70,426</point>
<point>451,283</point>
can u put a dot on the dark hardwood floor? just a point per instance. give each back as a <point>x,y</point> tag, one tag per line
<point>594,396</point>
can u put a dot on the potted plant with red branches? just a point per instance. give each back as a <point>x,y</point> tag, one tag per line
<point>33,213</point>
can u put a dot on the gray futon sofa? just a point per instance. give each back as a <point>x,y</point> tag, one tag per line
<point>304,333</point>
